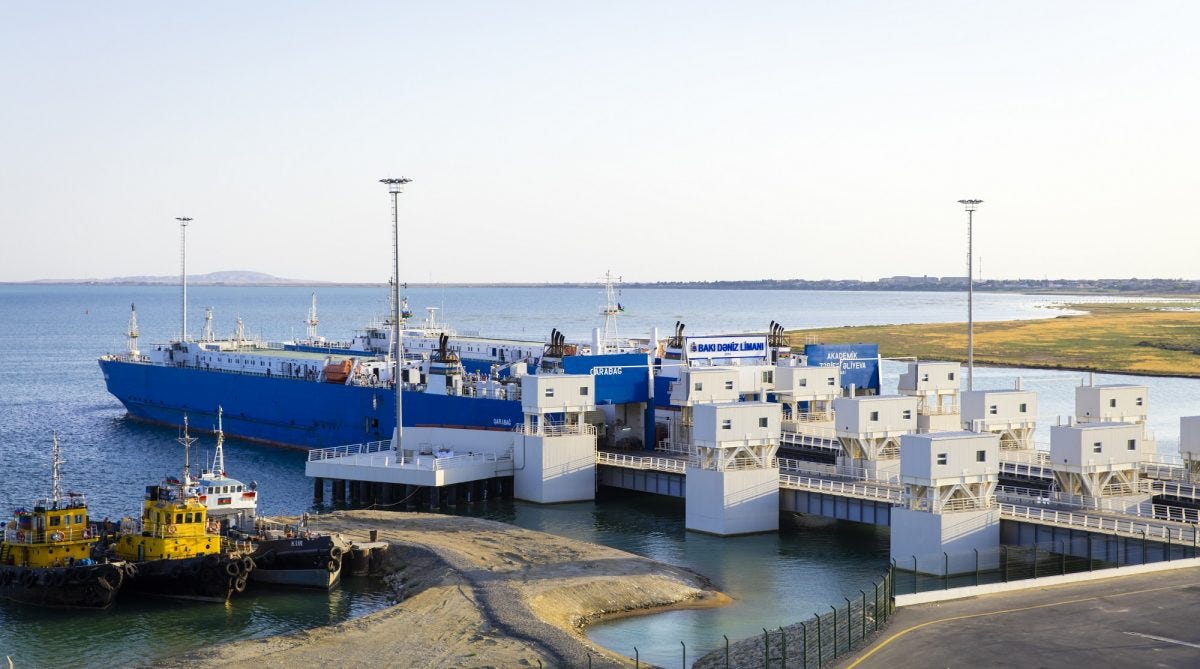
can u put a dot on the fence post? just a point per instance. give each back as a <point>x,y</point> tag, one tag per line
<point>976,566</point>
<point>1063,553</point>
<point>1143,546</point>
<point>1004,561</point>
<point>875,624</point>
<point>820,653</point>
<point>782,645</point>
<point>835,631</point>
<point>637,662</point>
<point>766,649</point>
<point>1091,565</point>
<point>684,665</point>
<point>803,646</point>
<point>915,591</point>
<point>864,614</point>
<point>945,570</point>
<point>726,650</point>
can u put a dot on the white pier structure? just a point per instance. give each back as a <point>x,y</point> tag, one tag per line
<point>557,462</point>
<point>733,479</point>
<point>950,483</point>
<point>1097,460</point>
<point>806,396</point>
<point>935,385</point>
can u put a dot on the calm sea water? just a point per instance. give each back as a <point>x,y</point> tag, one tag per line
<point>50,337</point>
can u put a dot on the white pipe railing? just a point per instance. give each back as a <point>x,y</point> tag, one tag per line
<point>675,465</point>
<point>845,488</point>
<point>1157,530</point>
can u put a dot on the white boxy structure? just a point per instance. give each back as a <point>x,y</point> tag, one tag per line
<point>1096,459</point>
<point>733,479</point>
<point>1189,446</point>
<point>1112,403</point>
<point>1011,414</point>
<point>950,481</point>
<point>870,428</point>
<point>935,385</point>
<point>555,461</point>
<point>806,395</point>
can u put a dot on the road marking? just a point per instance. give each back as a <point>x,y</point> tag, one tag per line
<point>902,632</point>
<point>1165,639</point>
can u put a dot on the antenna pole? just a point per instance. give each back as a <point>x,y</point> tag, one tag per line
<point>970,205</point>
<point>187,469</point>
<point>395,187</point>
<point>55,461</point>
<point>183,223</point>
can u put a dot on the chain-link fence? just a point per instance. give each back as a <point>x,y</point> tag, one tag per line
<point>814,642</point>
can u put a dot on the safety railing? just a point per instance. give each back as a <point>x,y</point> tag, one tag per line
<point>555,429</point>
<point>1150,528</point>
<point>349,449</point>
<point>940,506</point>
<point>1180,490</point>
<point>882,493</point>
<point>674,465</point>
<point>1029,457</point>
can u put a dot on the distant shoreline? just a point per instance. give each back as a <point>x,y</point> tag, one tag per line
<point>1099,287</point>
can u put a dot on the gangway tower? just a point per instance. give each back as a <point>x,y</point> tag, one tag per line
<point>1009,414</point>
<point>556,460</point>
<point>869,429</point>
<point>1115,403</point>
<point>733,479</point>
<point>806,395</point>
<point>950,483</point>
<point>696,386</point>
<point>1094,460</point>
<point>1189,446</point>
<point>936,386</point>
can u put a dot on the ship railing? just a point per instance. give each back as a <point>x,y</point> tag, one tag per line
<point>28,536</point>
<point>1153,529</point>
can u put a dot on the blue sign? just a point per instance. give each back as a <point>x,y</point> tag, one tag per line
<point>621,378</point>
<point>859,362</point>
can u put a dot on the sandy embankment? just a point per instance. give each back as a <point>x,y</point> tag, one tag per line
<point>477,593</point>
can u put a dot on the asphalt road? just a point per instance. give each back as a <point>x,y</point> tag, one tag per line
<point>1150,620</point>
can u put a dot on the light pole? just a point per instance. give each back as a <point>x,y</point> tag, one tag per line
<point>971,206</point>
<point>395,187</point>
<point>183,222</point>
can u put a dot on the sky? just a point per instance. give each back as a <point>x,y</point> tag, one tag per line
<point>552,141</point>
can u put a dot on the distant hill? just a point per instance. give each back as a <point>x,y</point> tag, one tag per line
<point>226,278</point>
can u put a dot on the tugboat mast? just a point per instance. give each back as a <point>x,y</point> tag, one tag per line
<point>219,456</point>
<point>396,350</point>
<point>183,222</point>
<point>55,462</point>
<point>187,469</point>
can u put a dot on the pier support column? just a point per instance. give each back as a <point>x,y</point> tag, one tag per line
<point>732,501</point>
<point>434,502</point>
<point>318,489</point>
<point>410,496</point>
<point>339,491</point>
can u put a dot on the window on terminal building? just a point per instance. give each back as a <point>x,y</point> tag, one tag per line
<point>1132,444</point>
<point>1024,408</point>
<point>699,386</point>
<point>942,458</point>
<point>1112,402</point>
<point>875,415</point>
<point>1097,447</point>
<point>980,456</point>
<point>729,385</point>
<point>762,421</point>
<point>583,391</point>
<point>727,424</point>
<point>549,392</point>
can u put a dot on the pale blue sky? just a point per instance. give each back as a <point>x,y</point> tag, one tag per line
<point>549,141</point>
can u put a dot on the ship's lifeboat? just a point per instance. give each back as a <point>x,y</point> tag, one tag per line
<point>338,372</point>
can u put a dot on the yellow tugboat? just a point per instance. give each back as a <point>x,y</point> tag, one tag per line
<point>46,554</point>
<point>177,550</point>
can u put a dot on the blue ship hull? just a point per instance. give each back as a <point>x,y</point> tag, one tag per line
<point>290,412</point>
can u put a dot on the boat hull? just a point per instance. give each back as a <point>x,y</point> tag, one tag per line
<point>310,561</point>
<point>204,577</point>
<point>81,586</point>
<point>290,412</point>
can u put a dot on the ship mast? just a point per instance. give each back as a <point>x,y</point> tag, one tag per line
<point>133,333</point>
<point>312,320</point>
<point>183,222</point>
<point>55,462</point>
<point>207,335</point>
<point>219,456</point>
<point>187,469</point>
<point>396,350</point>
<point>610,310</point>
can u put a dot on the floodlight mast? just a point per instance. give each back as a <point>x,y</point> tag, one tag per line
<point>183,223</point>
<point>396,349</point>
<point>970,205</point>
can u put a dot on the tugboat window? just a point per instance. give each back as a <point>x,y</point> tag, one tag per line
<point>54,520</point>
